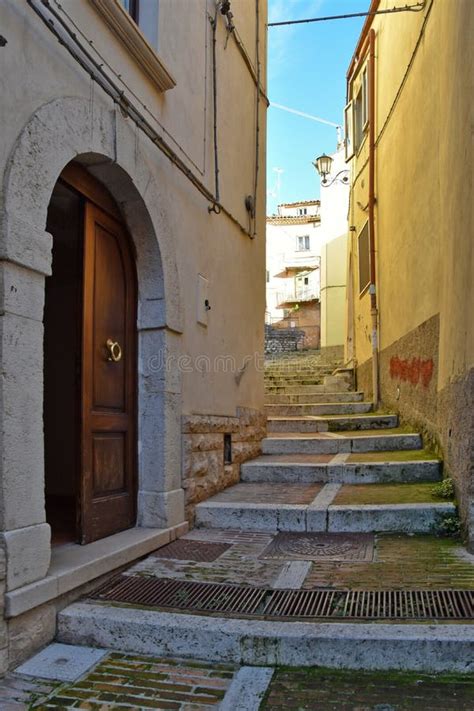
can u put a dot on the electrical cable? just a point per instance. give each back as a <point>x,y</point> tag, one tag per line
<point>257,117</point>
<point>418,7</point>
<point>96,72</point>
<point>132,93</point>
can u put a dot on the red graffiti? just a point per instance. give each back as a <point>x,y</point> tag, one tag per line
<point>413,371</point>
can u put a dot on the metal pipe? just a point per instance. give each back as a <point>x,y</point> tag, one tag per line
<point>69,40</point>
<point>373,275</point>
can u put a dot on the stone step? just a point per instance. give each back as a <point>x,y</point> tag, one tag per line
<point>311,396</point>
<point>303,390</point>
<point>320,408</point>
<point>252,506</point>
<point>383,646</point>
<point>329,443</point>
<point>292,382</point>
<point>361,422</point>
<point>300,365</point>
<point>332,424</point>
<point>307,468</point>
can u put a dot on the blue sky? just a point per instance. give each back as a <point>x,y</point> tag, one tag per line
<point>306,71</point>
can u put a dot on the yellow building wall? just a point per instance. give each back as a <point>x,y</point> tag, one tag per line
<point>423,228</point>
<point>333,292</point>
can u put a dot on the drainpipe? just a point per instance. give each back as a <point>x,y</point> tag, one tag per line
<point>373,291</point>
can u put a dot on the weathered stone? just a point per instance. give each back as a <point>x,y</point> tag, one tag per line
<point>30,631</point>
<point>208,423</point>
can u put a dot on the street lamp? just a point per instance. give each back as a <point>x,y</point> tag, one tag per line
<point>323,165</point>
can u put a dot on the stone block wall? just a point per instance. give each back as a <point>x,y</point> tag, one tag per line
<point>204,471</point>
<point>283,340</point>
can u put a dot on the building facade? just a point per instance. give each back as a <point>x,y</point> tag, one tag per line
<point>293,277</point>
<point>411,269</point>
<point>333,230</point>
<point>133,205</point>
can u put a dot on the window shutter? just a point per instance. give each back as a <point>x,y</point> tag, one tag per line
<point>349,130</point>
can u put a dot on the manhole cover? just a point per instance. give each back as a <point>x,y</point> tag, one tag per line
<point>321,546</point>
<point>192,550</point>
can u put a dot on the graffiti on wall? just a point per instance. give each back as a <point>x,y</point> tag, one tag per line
<point>413,371</point>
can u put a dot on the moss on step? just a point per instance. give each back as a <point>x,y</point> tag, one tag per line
<point>319,688</point>
<point>378,432</point>
<point>386,494</point>
<point>404,455</point>
<point>400,562</point>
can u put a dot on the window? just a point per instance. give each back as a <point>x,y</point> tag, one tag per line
<point>302,211</point>
<point>135,25</point>
<point>306,281</point>
<point>364,258</point>
<point>365,99</point>
<point>349,131</point>
<point>268,276</point>
<point>356,116</point>
<point>302,243</point>
<point>145,14</point>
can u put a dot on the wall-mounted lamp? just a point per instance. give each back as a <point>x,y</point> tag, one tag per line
<point>323,165</point>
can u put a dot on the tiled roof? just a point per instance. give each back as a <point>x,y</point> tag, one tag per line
<point>297,204</point>
<point>296,220</point>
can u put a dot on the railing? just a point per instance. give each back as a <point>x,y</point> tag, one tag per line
<point>296,295</point>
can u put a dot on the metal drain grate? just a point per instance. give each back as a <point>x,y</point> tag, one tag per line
<point>321,546</point>
<point>289,604</point>
<point>197,551</point>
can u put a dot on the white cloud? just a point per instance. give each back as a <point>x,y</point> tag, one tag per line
<point>281,38</point>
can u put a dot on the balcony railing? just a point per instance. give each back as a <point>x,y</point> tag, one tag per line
<point>295,296</point>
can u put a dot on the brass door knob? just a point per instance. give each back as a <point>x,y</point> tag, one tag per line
<point>114,351</point>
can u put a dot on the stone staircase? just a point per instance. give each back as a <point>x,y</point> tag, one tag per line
<point>344,496</point>
<point>329,464</point>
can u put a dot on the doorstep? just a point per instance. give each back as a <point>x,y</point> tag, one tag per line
<point>73,565</point>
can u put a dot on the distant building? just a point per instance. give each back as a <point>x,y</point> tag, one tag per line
<point>332,237</point>
<point>293,262</point>
<point>306,263</point>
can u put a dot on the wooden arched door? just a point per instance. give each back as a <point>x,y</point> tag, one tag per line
<point>106,365</point>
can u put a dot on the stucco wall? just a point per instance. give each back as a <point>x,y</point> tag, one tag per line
<point>333,291</point>
<point>206,244</point>
<point>423,220</point>
<point>55,113</point>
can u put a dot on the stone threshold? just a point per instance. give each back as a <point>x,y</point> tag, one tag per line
<point>73,565</point>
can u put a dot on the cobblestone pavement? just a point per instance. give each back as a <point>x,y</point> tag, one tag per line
<point>125,682</point>
<point>328,690</point>
<point>399,561</point>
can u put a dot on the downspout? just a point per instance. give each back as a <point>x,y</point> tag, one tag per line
<point>372,289</point>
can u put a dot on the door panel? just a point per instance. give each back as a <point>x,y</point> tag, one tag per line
<point>109,320</point>
<point>108,490</point>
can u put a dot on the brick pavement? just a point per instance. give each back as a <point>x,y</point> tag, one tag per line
<point>333,690</point>
<point>123,681</point>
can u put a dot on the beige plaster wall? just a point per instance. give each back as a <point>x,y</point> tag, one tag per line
<point>424,203</point>
<point>210,245</point>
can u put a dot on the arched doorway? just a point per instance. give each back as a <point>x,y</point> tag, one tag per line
<point>90,364</point>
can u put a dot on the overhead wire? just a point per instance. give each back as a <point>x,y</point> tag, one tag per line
<point>417,7</point>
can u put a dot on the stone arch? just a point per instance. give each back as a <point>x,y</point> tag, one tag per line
<point>104,142</point>
<point>72,128</point>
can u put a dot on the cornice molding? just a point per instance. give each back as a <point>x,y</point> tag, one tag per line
<point>119,21</point>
